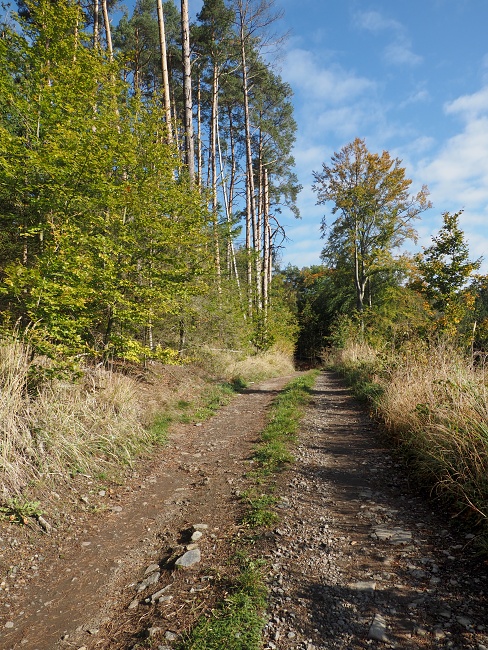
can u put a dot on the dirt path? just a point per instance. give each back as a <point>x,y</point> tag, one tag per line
<point>74,585</point>
<point>357,559</point>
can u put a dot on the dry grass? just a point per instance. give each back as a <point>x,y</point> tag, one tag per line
<point>53,428</point>
<point>62,427</point>
<point>231,365</point>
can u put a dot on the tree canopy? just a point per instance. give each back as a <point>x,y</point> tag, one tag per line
<point>370,195</point>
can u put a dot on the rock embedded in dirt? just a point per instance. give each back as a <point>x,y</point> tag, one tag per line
<point>188,559</point>
<point>152,568</point>
<point>151,579</point>
<point>377,631</point>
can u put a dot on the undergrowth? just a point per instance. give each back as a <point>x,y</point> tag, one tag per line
<point>237,622</point>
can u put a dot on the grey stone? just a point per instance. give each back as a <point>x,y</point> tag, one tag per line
<point>200,526</point>
<point>170,636</point>
<point>188,559</point>
<point>159,593</point>
<point>45,525</point>
<point>196,536</point>
<point>377,631</point>
<point>364,586</point>
<point>154,631</point>
<point>151,579</point>
<point>395,536</point>
<point>152,568</point>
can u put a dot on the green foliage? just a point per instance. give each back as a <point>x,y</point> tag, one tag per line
<point>370,194</point>
<point>238,621</point>
<point>444,269</point>
<point>104,238</point>
<point>18,511</point>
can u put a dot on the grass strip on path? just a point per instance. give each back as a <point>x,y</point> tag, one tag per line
<point>237,622</point>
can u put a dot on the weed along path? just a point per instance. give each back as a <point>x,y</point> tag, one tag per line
<point>356,558</point>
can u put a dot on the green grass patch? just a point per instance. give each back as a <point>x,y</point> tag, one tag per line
<point>362,381</point>
<point>213,398</point>
<point>18,510</point>
<point>273,451</point>
<point>237,623</point>
<point>158,431</point>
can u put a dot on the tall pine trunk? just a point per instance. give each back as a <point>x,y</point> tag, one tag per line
<point>188,106</point>
<point>164,69</point>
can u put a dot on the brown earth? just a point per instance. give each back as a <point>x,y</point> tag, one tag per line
<point>357,559</point>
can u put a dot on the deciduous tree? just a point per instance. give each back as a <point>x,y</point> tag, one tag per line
<point>375,212</point>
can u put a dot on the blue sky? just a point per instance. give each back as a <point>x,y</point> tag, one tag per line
<point>409,76</point>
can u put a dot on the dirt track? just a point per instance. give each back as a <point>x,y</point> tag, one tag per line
<point>356,553</point>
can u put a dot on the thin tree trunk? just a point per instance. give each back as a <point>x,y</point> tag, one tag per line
<point>250,202</point>
<point>248,254</point>
<point>266,245</point>
<point>213,158</point>
<point>96,24</point>
<point>164,69</point>
<point>199,133</point>
<point>189,140</point>
<point>228,212</point>
<point>108,32</point>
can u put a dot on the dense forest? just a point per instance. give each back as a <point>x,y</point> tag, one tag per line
<point>143,169</point>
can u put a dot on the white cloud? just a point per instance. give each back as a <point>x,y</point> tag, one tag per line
<point>469,107</point>
<point>375,22</point>
<point>400,53</point>
<point>460,170</point>
<point>333,84</point>
<point>416,97</point>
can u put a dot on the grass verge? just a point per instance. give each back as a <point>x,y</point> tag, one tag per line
<point>273,451</point>
<point>237,622</point>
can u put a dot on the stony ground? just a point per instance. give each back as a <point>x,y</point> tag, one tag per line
<point>358,559</point>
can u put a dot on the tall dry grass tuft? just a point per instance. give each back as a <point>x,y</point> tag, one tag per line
<point>63,428</point>
<point>436,404</point>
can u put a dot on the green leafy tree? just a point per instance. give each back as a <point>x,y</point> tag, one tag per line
<point>444,269</point>
<point>370,195</point>
<point>105,240</point>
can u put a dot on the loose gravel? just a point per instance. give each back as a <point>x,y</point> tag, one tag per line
<point>360,559</point>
